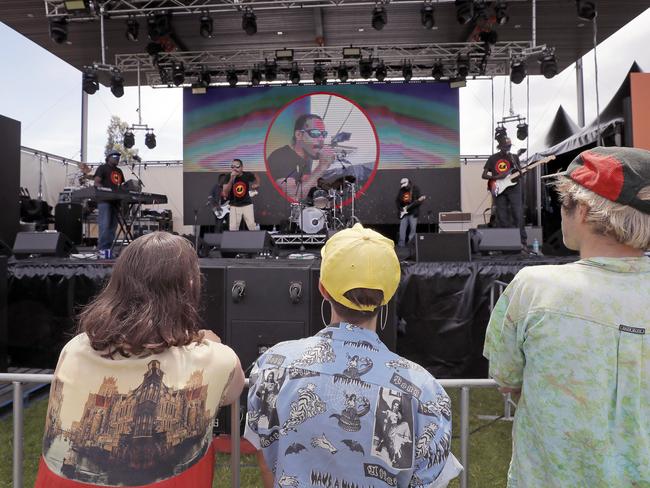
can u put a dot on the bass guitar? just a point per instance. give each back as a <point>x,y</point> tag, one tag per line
<point>497,187</point>
<point>220,211</point>
<point>405,209</point>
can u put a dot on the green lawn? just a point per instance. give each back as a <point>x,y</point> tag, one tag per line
<point>489,455</point>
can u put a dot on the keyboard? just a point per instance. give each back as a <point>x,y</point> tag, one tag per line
<point>101,194</point>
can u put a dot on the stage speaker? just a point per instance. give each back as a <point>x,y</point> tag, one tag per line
<point>454,221</point>
<point>245,242</point>
<point>496,239</point>
<point>42,243</point>
<point>67,219</point>
<point>446,246</point>
<point>4,332</point>
<point>213,296</point>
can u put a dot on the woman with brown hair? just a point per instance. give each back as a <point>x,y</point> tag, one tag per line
<point>135,394</point>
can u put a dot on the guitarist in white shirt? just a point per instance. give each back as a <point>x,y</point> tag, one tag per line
<point>509,204</point>
<point>408,205</point>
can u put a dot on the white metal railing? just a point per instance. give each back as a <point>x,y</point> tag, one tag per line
<point>18,379</point>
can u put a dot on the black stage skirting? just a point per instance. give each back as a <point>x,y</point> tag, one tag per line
<point>437,319</point>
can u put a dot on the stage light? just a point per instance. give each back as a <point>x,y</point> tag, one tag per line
<point>294,74</point>
<point>256,76</point>
<point>205,78</point>
<point>178,73</point>
<point>128,140</point>
<point>159,25</point>
<point>284,55</point>
<point>365,68</point>
<point>518,71</point>
<point>462,66</point>
<point>407,72</point>
<point>150,140</point>
<point>76,6</point>
<point>89,80</point>
<point>489,37</point>
<point>165,78</point>
<point>320,75</point>
<point>501,12</point>
<point>426,16</point>
<point>379,17</point>
<point>586,9</point>
<point>548,66</point>
<point>154,49</point>
<point>480,10</point>
<point>351,53</point>
<point>437,71</point>
<point>249,22</point>
<point>342,73</point>
<point>231,77</point>
<point>500,133</point>
<point>522,131</point>
<point>270,70</point>
<point>132,29</point>
<point>117,84</point>
<point>59,30</point>
<point>381,71</point>
<point>206,25</point>
<point>464,11</point>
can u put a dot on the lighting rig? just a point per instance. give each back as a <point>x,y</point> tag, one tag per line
<point>522,127</point>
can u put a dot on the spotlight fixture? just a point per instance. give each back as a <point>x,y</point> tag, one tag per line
<point>284,55</point>
<point>500,133</point>
<point>249,22</point>
<point>150,140</point>
<point>128,140</point>
<point>132,29</point>
<point>270,70</point>
<point>464,11</point>
<point>480,10</point>
<point>407,72</point>
<point>165,77</point>
<point>89,80</point>
<point>548,66</point>
<point>178,73</point>
<point>462,66</point>
<point>586,9</point>
<point>342,73</point>
<point>206,25</point>
<point>159,25</point>
<point>379,17</point>
<point>501,12</point>
<point>381,71</point>
<point>426,16</point>
<point>320,75</point>
<point>437,71</point>
<point>231,77</point>
<point>256,76</point>
<point>204,78</point>
<point>59,30</point>
<point>365,68</point>
<point>522,131</point>
<point>518,71</point>
<point>77,7</point>
<point>489,37</point>
<point>351,53</point>
<point>294,74</point>
<point>117,84</point>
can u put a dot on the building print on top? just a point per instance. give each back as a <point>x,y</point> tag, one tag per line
<point>136,432</point>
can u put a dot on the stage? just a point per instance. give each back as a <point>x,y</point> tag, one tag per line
<point>437,318</point>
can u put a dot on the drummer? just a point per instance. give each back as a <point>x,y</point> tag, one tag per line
<point>321,186</point>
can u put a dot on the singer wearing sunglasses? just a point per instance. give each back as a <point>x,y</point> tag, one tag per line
<point>298,165</point>
<point>238,192</point>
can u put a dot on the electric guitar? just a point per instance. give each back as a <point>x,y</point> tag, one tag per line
<point>497,187</point>
<point>220,211</point>
<point>405,210</point>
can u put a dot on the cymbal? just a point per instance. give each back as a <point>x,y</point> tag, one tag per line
<point>340,182</point>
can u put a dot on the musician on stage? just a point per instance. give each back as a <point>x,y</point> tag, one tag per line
<point>237,192</point>
<point>509,204</point>
<point>409,200</point>
<point>321,185</point>
<point>108,175</point>
<point>216,201</point>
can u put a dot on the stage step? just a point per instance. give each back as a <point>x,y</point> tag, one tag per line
<point>29,389</point>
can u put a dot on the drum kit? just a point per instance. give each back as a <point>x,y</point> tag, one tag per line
<point>324,211</point>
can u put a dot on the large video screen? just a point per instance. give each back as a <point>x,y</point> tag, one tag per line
<point>359,139</point>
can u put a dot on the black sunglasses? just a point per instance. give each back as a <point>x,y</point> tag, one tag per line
<point>315,132</point>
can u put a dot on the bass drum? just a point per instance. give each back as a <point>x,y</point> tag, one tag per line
<point>312,220</point>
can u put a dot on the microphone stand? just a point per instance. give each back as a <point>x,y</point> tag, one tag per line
<point>286,192</point>
<point>300,202</point>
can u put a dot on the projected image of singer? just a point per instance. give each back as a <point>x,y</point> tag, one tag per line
<point>296,167</point>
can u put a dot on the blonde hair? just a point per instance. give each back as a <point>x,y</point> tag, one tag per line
<point>625,224</point>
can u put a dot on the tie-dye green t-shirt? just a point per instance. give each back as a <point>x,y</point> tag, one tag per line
<point>573,337</point>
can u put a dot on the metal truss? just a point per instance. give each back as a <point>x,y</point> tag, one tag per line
<point>421,57</point>
<point>297,239</point>
<point>126,8</point>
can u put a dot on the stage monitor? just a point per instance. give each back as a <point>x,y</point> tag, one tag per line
<point>245,242</point>
<point>446,246</point>
<point>497,239</point>
<point>42,244</point>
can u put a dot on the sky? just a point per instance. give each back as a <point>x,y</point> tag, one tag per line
<point>44,94</point>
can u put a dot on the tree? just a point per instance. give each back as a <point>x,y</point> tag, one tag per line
<point>115,132</point>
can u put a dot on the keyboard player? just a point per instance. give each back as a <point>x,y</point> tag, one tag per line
<point>108,175</point>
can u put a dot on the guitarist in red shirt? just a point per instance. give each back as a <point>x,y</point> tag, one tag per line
<point>509,203</point>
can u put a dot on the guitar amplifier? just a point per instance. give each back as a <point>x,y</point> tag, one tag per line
<point>454,221</point>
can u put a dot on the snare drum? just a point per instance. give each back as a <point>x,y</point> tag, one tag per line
<point>313,220</point>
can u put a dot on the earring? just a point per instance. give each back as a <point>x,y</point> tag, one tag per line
<point>383,317</point>
<point>322,312</point>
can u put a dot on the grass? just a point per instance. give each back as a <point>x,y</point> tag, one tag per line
<point>489,454</point>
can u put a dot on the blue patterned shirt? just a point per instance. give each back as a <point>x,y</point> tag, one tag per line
<point>340,409</point>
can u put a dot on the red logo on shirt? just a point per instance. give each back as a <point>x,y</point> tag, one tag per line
<point>116,178</point>
<point>406,197</point>
<point>503,166</point>
<point>240,189</point>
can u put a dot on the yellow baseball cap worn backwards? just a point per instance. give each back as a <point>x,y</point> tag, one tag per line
<point>359,258</point>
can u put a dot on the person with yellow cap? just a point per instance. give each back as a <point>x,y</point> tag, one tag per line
<point>345,410</point>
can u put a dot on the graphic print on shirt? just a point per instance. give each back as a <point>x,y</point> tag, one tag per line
<point>322,352</point>
<point>116,178</point>
<point>294,448</point>
<point>324,443</point>
<point>441,406</point>
<point>135,436</point>
<point>433,453</point>
<point>239,189</point>
<point>354,408</point>
<point>393,431</point>
<point>402,363</point>
<point>272,380</point>
<point>287,481</point>
<point>502,166</point>
<point>356,367</point>
<point>307,405</point>
<point>326,480</point>
<point>361,344</point>
<point>354,446</point>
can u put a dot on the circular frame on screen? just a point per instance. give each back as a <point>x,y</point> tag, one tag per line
<point>274,178</point>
